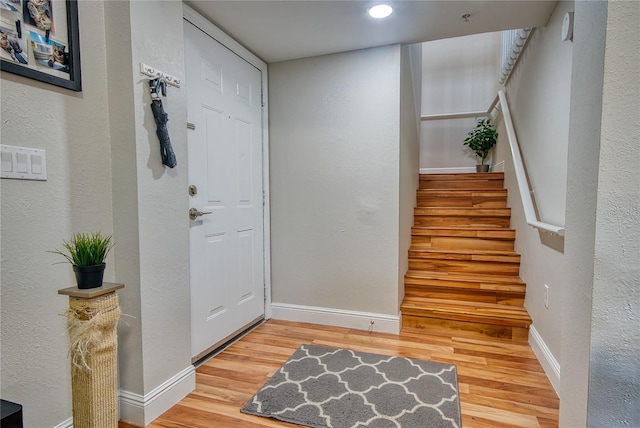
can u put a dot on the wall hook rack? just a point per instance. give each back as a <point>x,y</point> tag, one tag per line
<point>154,73</point>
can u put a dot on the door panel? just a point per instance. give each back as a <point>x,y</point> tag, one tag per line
<point>225,163</point>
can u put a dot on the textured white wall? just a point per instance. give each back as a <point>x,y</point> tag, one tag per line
<point>582,188</point>
<point>614,375</point>
<point>163,222</point>
<point>539,94</point>
<point>334,133</point>
<point>150,201</point>
<point>410,98</point>
<point>125,195</point>
<point>459,75</point>
<point>104,173</point>
<point>36,216</point>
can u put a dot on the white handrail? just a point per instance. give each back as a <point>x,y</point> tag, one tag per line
<point>455,115</point>
<point>521,176</point>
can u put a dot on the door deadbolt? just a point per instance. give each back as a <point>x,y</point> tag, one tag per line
<point>193,190</point>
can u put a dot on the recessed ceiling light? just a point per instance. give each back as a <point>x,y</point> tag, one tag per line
<point>380,11</point>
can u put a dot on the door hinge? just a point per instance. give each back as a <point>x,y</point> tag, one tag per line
<point>264,198</point>
<point>262,99</point>
<point>191,126</point>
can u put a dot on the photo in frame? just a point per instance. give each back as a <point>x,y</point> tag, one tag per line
<point>39,39</point>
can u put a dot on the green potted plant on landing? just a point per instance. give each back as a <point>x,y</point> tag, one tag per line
<point>481,140</point>
<point>87,252</point>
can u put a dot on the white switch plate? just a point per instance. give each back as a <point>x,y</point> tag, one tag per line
<point>23,163</point>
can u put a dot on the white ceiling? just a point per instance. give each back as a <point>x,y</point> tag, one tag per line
<point>282,30</point>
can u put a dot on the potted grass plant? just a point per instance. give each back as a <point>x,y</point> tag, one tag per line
<point>87,253</point>
<point>481,140</point>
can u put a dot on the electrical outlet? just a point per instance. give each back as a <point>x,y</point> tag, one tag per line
<point>546,296</point>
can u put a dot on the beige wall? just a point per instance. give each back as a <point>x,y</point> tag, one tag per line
<point>539,95</point>
<point>600,380</point>
<point>104,173</point>
<point>334,132</point>
<point>614,370</point>
<point>459,75</point>
<point>36,216</point>
<point>410,94</point>
<point>163,224</point>
<point>582,194</point>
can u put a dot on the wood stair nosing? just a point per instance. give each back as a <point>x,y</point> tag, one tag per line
<point>443,185</point>
<point>465,232</point>
<point>461,192</point>
<point>444,243</point>
<point>489,198</point>
<point>453,253</point>
<point>453,181</point>
<point>464,176</point>
<point>439,287</point>
<point>463,277</point>
<point>480,267</point>
<point>417,283</point>
<point>462,221</point>
<point>467,295</point>
<point>463,257</point>
<point>489,313</point>
<point>474,202</point>
<point>462,211</point>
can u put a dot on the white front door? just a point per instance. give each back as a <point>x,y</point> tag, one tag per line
<point>225,165</point>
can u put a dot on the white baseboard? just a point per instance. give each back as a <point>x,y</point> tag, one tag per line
<point>547,360</point>
<point>336,317</point>
<point>142,410</point>
<point>455,170</point>
<point>65,424</point>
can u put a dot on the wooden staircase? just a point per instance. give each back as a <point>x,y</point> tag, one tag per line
<point>463,270</point>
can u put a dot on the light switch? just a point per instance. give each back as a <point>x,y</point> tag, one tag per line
<point>36,164</point>
<point>23,163</point>
<point>7,161</point>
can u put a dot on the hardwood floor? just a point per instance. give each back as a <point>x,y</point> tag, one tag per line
<point>501,382</point>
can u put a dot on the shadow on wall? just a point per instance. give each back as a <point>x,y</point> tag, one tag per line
<point>555,242</point>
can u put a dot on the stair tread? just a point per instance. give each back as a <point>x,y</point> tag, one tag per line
<point>465,211</point>
<point>481,228</point>
<point>460,276</point>
<point>425,249</point>
<point>477,309</point>
<point>462,191</point>
<point>464,176</point>
<point>419,286</point>
<point>460,288</point>
<point>490,233</point>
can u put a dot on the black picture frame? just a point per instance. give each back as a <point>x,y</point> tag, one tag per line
<point>74,82</point>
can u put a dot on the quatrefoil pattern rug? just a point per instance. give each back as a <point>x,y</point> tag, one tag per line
<point>337,388</point>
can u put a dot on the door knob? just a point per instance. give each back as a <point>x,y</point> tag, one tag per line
<point>194,213</point>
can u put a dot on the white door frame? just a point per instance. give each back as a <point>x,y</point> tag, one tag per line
<point>203,24</point>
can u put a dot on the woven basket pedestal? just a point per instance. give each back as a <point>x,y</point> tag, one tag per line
<point>92,319</point>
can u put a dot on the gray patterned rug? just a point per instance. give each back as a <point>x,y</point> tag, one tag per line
<point>337,388</point>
